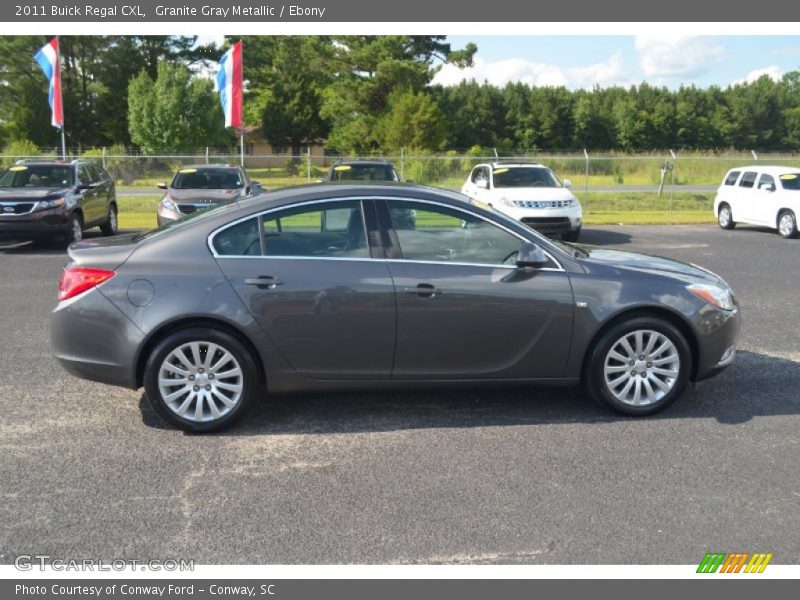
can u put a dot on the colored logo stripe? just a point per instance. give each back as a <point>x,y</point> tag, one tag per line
<point>734,562</point>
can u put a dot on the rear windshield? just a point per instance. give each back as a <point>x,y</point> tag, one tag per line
<point>506,177</point>
<point>37,176</point>
<point>363,173</point>
<point>207,179</point>
<point>790,181</point>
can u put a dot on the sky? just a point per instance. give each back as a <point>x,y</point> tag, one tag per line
<point>584,61</point>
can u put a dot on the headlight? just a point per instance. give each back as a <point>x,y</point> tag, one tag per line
<point>713,294</point>
<point>169,204</point>
<point>46,204</point>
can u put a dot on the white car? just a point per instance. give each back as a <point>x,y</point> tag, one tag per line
<point>527,192</point>
<point>767,196</point>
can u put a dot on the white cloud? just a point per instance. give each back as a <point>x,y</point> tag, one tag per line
<point>606,73</point>
<point>774,72</point>
<point>677,55</point>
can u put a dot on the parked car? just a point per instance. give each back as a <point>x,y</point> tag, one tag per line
<point>45,199</point>
<point>530,193</point>
<point>316,288</point>
<point>760,195</point>
<point>197,187</point>
<point>362,170</point>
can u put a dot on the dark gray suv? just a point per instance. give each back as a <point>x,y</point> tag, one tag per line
<point>42,199</point>
<point>329,287</point>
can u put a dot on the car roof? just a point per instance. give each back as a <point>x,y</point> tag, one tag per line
<point>205,166</point>
<point>364,162</point>
<point>769,169</point>
<point>515,163</point>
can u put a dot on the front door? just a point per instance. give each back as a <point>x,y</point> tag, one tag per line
<point>464,310</point>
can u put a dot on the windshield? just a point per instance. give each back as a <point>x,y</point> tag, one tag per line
<point>207,179</point>
<point>790,181</point>
<point>37,176</point>
<point>509,177</point>
<point>364,173</point>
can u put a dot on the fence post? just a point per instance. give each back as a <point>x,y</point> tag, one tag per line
<point>206,154</point>
<point>586,182</point>
<point>104,157</point>
<point>672,183</point>
<point>402,164</point>
<point>755,154</point>
<point>308,154</point>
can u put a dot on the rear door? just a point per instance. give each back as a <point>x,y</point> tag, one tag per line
<point>464,310</point>
<point>92,206</point>
<point>764,208</point>
<point>308,276</point>
<point>747,198</point>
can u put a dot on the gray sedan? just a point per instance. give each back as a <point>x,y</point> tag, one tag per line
<point>330,287</point>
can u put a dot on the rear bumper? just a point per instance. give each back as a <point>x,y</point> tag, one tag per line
<point>717,332</point>
<point>93,340</point>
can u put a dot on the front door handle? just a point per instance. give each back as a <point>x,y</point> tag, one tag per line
<point>423,290</point>
<point>264,281</point>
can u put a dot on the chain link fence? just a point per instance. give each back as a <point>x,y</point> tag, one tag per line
<point>657,182</point>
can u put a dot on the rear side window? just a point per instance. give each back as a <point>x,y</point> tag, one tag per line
<point>748,179</point>
<point>732,177</point>
<point>330,230</point>
<point>239,240</point>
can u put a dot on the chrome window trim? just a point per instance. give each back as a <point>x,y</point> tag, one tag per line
<point>466,208</point>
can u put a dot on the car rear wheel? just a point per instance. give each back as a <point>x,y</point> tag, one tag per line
<point>201,379</point>
<point>639,366</point>
<point>112,223</point>
<point>725,217</point>
<point>572,235</point>
<point>75,230</point>
<point>787,224</point>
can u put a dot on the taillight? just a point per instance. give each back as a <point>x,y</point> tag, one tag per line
<point>75,280</point>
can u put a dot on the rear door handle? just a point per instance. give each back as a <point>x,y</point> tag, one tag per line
<point>264,281</point>
<point>423,290</point>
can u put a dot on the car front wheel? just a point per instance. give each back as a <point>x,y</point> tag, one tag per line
<point>75,230</point>
<point>201,379</point>
<point>725,217</point>
<point>787,225</point>
<point>639,366</point>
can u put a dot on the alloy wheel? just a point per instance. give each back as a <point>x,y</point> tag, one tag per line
<point>641,367</point>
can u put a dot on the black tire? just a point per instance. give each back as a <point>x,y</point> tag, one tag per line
<point>787,224</point>
<point>594,369</point>
<point>112,224</point>
<point>249,380</point>
<point>725,217</point>
<point>75,229</point>
<point>572,235</point>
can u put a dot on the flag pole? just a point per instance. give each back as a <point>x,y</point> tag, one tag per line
<point>61,101</point>
<point>241,145</point>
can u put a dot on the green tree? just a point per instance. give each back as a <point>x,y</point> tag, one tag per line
<point>175,113</point>
<point>413,121</point>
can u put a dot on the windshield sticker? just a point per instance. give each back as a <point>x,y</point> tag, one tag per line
<point>342,168</point>
<point>789,176</point>
<point>188,171</point>
<point>503,170</point>
<point>18,168</point>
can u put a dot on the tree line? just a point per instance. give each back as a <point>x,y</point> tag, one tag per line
<point>362,94</point>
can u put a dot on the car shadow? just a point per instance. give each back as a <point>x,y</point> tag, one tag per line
<point>755,385</point>
<point>603,237</point>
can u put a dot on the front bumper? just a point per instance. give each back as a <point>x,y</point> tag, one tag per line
<point>546,220</point>
<point>92,339</point>
<point>45,222</point>
<point>717,332</point>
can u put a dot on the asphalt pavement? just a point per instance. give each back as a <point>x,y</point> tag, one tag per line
<point>518,475</point>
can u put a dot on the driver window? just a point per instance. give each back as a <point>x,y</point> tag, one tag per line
<point>433,233</point>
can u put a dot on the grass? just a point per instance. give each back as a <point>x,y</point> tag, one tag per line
<point>600,208</point>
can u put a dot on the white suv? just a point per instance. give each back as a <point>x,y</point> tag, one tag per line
<point>527,192</point>
<point>767,196</point>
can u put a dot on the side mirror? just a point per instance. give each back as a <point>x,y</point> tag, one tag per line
<point>161,186</point>
<point>770,187</point>
<point>87,186</point>
<point>567,183</point>
<point>531,255</point>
